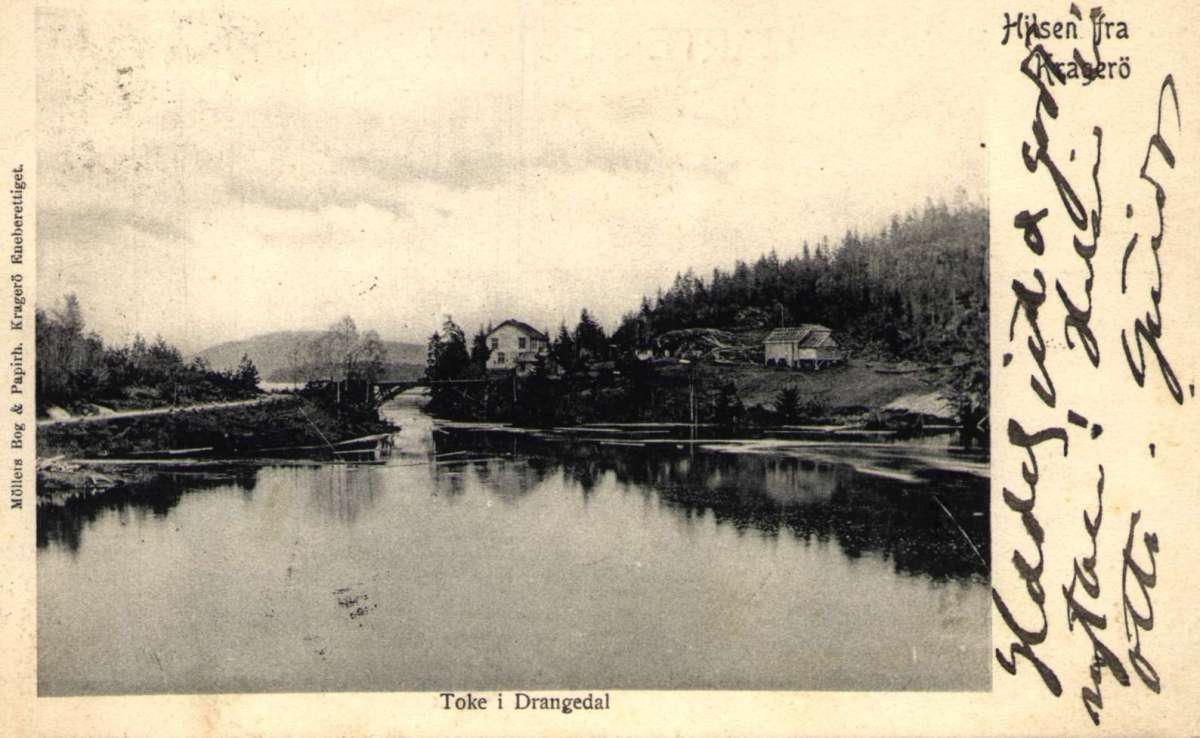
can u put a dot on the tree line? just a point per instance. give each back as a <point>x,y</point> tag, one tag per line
<point>75,368</point>
<point>452,357</point>
<point>341,357</point>
<point>571,349</point>
<point>916,290</point>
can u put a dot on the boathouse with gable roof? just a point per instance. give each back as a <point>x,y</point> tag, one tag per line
<point>806,346</point>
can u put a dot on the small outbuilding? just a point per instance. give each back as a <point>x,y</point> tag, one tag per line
<point>807,346</point>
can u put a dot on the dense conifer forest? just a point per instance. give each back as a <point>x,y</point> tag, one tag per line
<point>917,290</point>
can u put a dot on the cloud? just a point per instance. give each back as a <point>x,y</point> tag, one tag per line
<point>517,165</point>
<point>304,196</point>
<point>84,224</point>
<point>485,169</point>
<point>460,171</point>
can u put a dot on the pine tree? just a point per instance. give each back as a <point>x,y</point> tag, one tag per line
<point>564,349</point>
<point>247,374</point>
<point>480,350</point>
<point>453,359</point>
<point>590,340</point>
<point>787,403</point>
<point>433,349</point>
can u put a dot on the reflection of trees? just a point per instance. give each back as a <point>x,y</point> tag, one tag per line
<point>494,461</point>
<point>343,492</point>
<point>156,494</point>
<point>448,480</point>
<point>864,514</point>
<point>517,478</point>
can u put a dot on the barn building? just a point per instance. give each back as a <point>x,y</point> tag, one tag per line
<point>516,345</point>
<point>807,346</point>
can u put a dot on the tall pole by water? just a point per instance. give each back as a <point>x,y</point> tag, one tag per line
<point>692,445</point>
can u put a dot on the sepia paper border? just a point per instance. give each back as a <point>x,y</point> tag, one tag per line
<point>1162,487</point>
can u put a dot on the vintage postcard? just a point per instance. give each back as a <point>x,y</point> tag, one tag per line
<point>543,368</point>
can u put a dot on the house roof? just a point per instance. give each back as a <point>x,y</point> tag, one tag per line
<point>818,339</point>
<point>523,327</point>
<point>810,335</point>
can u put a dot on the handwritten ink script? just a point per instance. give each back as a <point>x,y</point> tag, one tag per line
<point>1147,331</point>
<point>1058,296</point>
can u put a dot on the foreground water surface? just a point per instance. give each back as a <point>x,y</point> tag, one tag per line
<point>487,559</point>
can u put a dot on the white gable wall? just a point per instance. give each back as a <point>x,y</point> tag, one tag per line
<point>509,341</point>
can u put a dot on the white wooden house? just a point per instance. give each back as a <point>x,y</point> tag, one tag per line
<point>807,346</point>
<point>516,346</point>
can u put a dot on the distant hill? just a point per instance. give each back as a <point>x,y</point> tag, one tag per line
<point>269,352</point>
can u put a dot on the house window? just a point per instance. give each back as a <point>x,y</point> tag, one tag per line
<point>500,358</point>
<point>495,343</point>
<point>521,343</point>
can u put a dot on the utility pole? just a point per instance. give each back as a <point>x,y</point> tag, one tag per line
<point>695,414</point>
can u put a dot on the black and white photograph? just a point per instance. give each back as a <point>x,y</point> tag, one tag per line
<point>510,348</point>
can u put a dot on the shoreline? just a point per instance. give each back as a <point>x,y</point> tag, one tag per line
<point>855,397</point>
<point>111,452</point>
<point>229,431</point>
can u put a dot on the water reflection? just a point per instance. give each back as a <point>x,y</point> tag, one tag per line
<point>340,492</point>
<point>936,527</point>
<point>498,558</point>
<point>62,520</point>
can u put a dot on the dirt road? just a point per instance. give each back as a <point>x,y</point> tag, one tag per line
<point>161,411</point>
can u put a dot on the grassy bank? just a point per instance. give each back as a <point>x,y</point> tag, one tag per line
<point>725,394</point>
<point>850,389</point>
<point>222,431</point>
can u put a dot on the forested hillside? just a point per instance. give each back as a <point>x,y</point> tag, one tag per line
<point>917,290</point>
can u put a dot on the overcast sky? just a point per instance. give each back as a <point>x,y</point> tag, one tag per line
<point>210,174</point>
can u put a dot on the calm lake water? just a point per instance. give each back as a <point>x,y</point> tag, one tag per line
<point>486,559</point>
